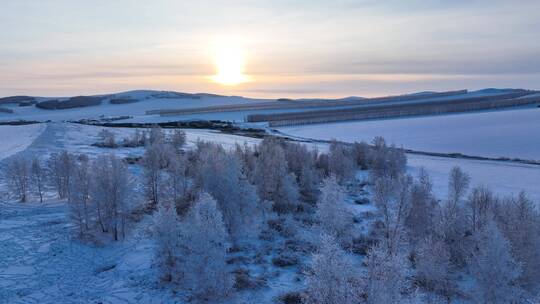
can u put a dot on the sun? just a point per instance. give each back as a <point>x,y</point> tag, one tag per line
<point>230,62</point>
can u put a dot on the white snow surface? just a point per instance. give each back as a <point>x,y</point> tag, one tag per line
<point>509,133</point>
<point>14,139</point>
<point>503,178</point>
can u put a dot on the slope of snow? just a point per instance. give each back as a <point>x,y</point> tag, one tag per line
<point>137,109</point>
<point>503,178</point>
<point>14,139</point>
<point>510,133</point>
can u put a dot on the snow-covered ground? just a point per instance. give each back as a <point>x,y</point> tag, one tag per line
<point>146,102</point>
<point>504,178</point>
<point>509,133</point>
<point>14,139</point>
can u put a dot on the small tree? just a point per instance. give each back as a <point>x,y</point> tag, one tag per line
<point>80,190</point>
<point>341,162</point>
<point>18,177</point>
<point>333,278</point>
<point>107,138</point>
<point>203,243</point>
<point>433,266</point>
<point>178,139</point>
<point>387,275</point>
<point>167,225</point>
<point>335,216</point>
<point>38,177</point>
<point>493,267</point>
<point>110,184</point>
<point>393,200</point>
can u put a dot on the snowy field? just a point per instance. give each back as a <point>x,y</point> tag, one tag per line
<point>146,102</point>
<point>14,139</point>
<point>503,178</point>
<point>511,133</point>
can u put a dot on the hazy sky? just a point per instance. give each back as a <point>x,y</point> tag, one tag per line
<point>304,48</point>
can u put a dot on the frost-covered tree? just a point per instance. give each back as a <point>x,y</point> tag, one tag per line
<point>519,220</point>
<point>385,161</point>
<point>451,221</point>
<point>156,136</point>
<point>341,162</point>
<point>178,139</point>
<point>222,177</point>
<point>387,275</point>
<point>60,167</point>
<point>433,266</point>
<point>167,233</point>
<point>203,244</point>
<point>308,183</point>
<point>107,138</point>
<point>335,217</point>
<point>332,278</point>
<point>110,186</point>
<point>80,190</point>
<point>480,206</point>
<point>274,182</point>
<point>392,197</point>
<point>494,268</point>
<point>17,174</point>
<point>155,159</point>
<point>458,184</point>
<point>419,220</point>
<point>176,179</point>
<point>38,177</point>
<point>361,152</point>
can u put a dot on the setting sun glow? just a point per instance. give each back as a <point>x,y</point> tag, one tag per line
<point>230,61</point>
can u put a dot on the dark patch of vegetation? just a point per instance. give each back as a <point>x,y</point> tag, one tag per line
<point>243,280</point>
<point>284,99</point>
<point>174,95</point>
<point>73,102</point>
<point>19,122</point>
<point>123,100</point>
<point>16,99</point>
<point>223,126</point>
<point>291,298</point>
<point>285,260</point>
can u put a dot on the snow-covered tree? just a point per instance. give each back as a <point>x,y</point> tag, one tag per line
<point>493,267</point>
<point>480,206</point>
<point>341,162</point>
<point>332,278</point>
<point>38,177</point>
<point>107,138</point>
<point>433,266</point>
<point>155,159</point>
<point>458,184</point>
<point>308,183</point>
<point>156,136</point>
<point>79,198</point>
<point>110,186</point>
<point>178,139</point>
<point>335,216</point>
<point>203,244</point>
<point>392,197</point>
<point>385,161</point>
<point>387,275</point>
<point>274,182</point>
<point>222,177</point>
<point>419,220</point>
<point>17,174</point>
<point>519,220</point>
<point>167,233</point>
<point>60,167</point>
<point>176,179</point>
